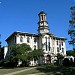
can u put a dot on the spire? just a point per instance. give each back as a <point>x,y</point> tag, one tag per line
<point>42,12</point>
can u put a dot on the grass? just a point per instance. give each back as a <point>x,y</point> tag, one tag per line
<point>51,70</point>
<point>42,70</point>
<point>32,71</point>
<point>9,70</point>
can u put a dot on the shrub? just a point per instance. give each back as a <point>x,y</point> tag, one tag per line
<point>66,62</point>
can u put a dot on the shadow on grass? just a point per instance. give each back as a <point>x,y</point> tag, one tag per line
<point>57,70</point>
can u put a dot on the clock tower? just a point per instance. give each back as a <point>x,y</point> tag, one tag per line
<point>42,24</point>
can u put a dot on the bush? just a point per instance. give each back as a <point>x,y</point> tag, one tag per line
<point>66,62</point>
<point>1,63</point>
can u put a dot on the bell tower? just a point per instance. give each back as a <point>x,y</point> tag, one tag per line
<point>42,24</point>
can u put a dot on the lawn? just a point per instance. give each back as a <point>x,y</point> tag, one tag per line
<point>42,70</point>
<point>33,71</point>
<point>50,70</point>
<point>9,70</point>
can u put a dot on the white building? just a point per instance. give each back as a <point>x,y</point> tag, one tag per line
<point>43,40</point>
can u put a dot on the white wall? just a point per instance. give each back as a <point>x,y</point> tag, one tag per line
<point>40,43</point>
<point>5,51</point>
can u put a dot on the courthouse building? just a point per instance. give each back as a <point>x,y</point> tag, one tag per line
<point>45,40</point>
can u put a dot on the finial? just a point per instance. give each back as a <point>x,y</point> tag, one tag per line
<point>42,10</point>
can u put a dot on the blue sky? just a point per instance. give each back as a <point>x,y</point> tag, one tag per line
<point>22,15</point>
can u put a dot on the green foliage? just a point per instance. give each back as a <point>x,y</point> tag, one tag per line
<point>70,53</point>
<point>74,53</point>
<point>60,56</point>
<point>66,62</point>
<point>23,52</point>
<point>35,54</point>
<point>19,52</point>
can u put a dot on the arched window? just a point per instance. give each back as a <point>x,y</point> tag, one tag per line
<point>41,17</point>
<point>49,43</point>
<point>44,17</point>
<point>46,43</point>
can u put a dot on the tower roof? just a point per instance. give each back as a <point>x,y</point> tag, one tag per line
<point>42,12</point>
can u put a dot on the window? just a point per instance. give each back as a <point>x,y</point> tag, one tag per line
<point>62,43</point>
<point>57,49</point>
<point>28,39</point>
<point>42,17</point>
<point>63,50</point>
<point>21,39</point>
<point>34,47</point>
<point>53,49</point>
<point>15,39</point>
<point>46,43</point>
<point>60,46</point>
<point>35,40</point>
<point>49,43</point>
<point>57,42</point>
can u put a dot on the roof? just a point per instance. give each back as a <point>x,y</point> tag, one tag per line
<point>58,38</point>
<point>42,12</point>
<point>35,35</point>
<point>21,33</point>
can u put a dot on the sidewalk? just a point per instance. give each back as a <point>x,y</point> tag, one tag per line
<point>19,71</point>
<point>37,74</point>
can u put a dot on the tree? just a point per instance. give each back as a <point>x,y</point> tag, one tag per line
<point>59,58</point>
<point>66,62</point>
<point>19,52</point>
<point>23,52</point>
<point>70,53</point>
<point>35,54</point>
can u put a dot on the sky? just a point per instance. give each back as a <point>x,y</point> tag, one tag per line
<point>22,15</point>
